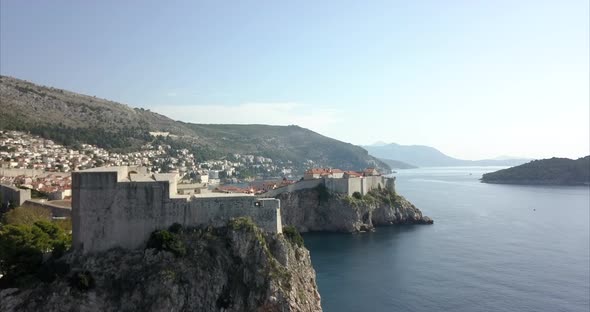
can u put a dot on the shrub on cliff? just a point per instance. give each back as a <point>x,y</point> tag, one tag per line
<point>242,223</point>
<point>175,228</point>
<point>82,281</point>
<point>293,235</point>
<point>164,240</point>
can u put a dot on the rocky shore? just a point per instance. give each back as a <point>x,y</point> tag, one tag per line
<point>235,268</point>
<point>320,210</point>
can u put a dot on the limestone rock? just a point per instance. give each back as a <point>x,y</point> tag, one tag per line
<point>225,269</point>
<point>309,210</point>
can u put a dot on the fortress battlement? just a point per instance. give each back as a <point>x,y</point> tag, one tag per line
<point>122,206</point>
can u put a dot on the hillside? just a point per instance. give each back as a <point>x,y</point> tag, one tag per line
<point>70,118</point>
<point>554,171</point>
<point>396,164</point>
<point>426,156</point>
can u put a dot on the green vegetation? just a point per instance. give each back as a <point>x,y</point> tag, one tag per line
<point>26,215</point>
<point>242,224</point>
<point>293,235</point>
<point>167,241</point>
<point>373,197</point>
<point>554,171</point>
<point>22,248</point>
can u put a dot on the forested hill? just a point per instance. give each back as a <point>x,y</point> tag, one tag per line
<point>70,118</point>
<point>554,171</point>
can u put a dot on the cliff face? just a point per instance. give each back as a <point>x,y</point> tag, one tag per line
<point>318,210</point>
<point>237,268</point>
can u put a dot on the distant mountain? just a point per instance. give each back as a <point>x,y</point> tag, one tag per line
<point>396,164</point>
<point>70,118</point>
<point>426,156</point>
<point>379,143</point>
<point>554,171</point>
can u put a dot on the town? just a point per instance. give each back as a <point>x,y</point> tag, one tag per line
<point>44,167</point>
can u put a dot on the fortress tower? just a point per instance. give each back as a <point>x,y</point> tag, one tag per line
<point>118,207</point>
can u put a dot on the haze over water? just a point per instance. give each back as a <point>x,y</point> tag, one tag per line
<point>492,248</point>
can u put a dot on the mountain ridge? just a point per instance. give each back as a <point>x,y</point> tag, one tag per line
<point>427,156</point>
<point>71,118</point>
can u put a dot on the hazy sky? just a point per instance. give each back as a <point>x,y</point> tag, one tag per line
<point>475,79</point>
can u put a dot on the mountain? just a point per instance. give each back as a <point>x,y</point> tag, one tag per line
<point>426,156</point>
<point>396,164</point>
<point>71,118</point>
<point>553,171</point>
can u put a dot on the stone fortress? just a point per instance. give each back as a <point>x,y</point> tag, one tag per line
<point>119,207</point>
<point>338,181</point>
<point>122,206</point>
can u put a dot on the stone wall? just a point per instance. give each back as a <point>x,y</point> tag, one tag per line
<point>13,172</point>
<point>346,186</point>
<point>109,211</point>
<point>305,184</point>
<point>13,194</point>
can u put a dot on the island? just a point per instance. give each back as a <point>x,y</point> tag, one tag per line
<point>553,171</point>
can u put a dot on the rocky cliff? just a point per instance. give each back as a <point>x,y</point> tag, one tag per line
<point>235,268</point>
<point>318,209</point>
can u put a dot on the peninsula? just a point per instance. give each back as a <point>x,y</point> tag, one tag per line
<point>553,171</point>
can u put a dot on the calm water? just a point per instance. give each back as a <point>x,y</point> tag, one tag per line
<point>492,248</point>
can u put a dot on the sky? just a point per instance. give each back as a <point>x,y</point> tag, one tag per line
<point>475,79</point>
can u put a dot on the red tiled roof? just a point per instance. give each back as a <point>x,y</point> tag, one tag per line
<point>354,173</point>
<point>323,171</point>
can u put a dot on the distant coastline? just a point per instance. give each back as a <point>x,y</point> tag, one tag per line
<point>553,171</point>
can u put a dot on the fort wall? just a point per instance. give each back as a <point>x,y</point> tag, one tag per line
<point>14,172</point>
<point>110,210</point>
<point>305,184</point>
<point>13,194</point>
<point>346,186</point>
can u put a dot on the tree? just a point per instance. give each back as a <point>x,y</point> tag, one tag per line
<point>27,215</point>
<point>22,247</point>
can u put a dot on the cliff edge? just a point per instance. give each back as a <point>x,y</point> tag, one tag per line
<point>233,268</point>
<point>318,209</point>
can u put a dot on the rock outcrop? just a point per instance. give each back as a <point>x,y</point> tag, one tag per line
<point>235,268</point>
<point>319,210</point>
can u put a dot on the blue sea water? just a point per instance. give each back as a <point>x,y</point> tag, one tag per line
<point>492,248</point>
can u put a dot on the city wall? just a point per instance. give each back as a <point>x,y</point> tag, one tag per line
<point>13,172</point>
<point>13,194</point>
<point>346,186</point>
<point>305,184</point>
<point>109,210</point>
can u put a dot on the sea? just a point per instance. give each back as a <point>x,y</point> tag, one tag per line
<point>491,248</point>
